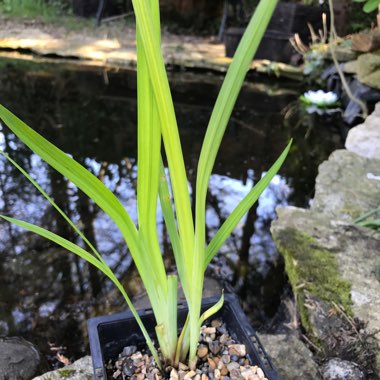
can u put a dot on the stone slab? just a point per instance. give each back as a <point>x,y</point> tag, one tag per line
<point>79,370</point>
<point>291,358</point>
<point>347,186</point>
<point>356,256</point>
<point>364,139</point>
<point>356,250</point>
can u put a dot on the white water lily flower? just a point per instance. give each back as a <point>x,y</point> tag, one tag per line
<point>320,97</point>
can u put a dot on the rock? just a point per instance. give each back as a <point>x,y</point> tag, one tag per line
<point>190,374</point>
<point>291,358</point>
<point>233,366</point>
<point>202,351</point>
<point>369,69</point>
<point>173,374</point>
<point>209,330</point>
<point>337,369</point>
<point>366,42</point>
<point>345,186</point>
<point>79,370</point>
<point>19,359</point>
<point>128,351</point>
<point>260,373</point>
<point>364,139</point>
<point>237,349</point>
<point>331,263</point>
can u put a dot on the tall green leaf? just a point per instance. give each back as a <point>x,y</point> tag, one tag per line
<point>242,208</point>
<point>215,131</point>
<point>102,266</point>
<point>76,173</point>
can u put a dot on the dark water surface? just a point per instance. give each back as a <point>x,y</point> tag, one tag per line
<point>45,294</point>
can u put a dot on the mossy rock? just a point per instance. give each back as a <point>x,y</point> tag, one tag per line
<point>331,265</point>
<point>369,69</point>
<point>315,280</point>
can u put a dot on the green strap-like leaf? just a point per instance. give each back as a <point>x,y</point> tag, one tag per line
<point>212,310</point>
<point>168,213</point>
<point>242,208</point>
<point>51,201</point>
<point>77,174</point>
<point>168,123</point>
<point>101,265</point>
<point>149,153</point>
<point>215,131</point>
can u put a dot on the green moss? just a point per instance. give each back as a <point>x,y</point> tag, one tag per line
<point>312,270</point>
<point>65,372</point>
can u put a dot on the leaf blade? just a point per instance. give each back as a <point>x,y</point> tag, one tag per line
<point>242,208</point>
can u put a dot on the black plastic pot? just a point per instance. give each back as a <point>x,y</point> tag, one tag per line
<point>274,46</point>
<point>287,19</point>
<point>110,334</point>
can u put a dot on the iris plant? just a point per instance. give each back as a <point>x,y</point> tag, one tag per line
<point>157,126</point>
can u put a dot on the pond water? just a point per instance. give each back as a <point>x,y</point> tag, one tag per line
<point>46,295</point>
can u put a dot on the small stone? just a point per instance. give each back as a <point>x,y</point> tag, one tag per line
<point>136,356</point>
<point>128,351</point>
<point>128,369</point>
<point>223,338</point>
<point>247,373</point>
<point>217,374</point>
<point>173,374</point>
<point>260,373</point>
<point>202,351</point>
<point>224,370</point>
<point>182,366</point>
<point>204,377</point>
<point>226,359</point>
<point>140,376</point>
<point>216,323</point>
<point>116,374</point>
<point>233,366</point>
<point>234,358</point>
<point>209,330</point>
<point>181,374</point>
<point>235,374</point>
<point>190,374</point>
<point>197,377</point>
<point>211,364</point>
<point>214,347</point>
<point>237,349</point>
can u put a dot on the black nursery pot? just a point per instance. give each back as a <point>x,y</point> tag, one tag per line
<point>108,335</point>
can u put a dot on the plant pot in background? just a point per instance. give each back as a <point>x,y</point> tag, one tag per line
<point>287,19</point>
<point>108,335</point>
<point>274,46</point>
<point>85,8</point>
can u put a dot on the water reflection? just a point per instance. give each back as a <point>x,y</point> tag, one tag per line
<point>46,295</point>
